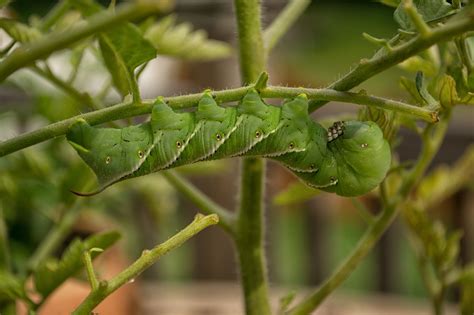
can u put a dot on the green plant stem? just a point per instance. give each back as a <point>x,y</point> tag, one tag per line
<point>251,50</point>
<point>431,144</point>
<point>250,226</point>
<point>129,109</point>
<point>148,257</point>
<point>81,98</point>
<point>207,205</point>
<point>354,98</point>
<point>55,236</point>
<point>382,60</point>
<point>416,18</point>
<point>283,22</point>
<point>86,258</point>
<point>29,53</point>
<point>249,237</point>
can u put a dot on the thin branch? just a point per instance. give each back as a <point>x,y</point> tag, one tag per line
<point>283,22</point>
<point>353,98</point>
<point>250,227</point>
<point>382,60</point>
<point>205,204</point>
<point>29,53</point>
<point>81,98</point>
<point>87,259</point>
<point>126,110</point>
<point>148,258</point>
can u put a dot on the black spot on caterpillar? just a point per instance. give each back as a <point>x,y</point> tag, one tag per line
<point>350,158</point>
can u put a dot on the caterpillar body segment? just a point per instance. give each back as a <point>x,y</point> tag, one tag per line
<point>350,158</point>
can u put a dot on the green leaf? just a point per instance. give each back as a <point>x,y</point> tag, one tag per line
<point>295,193</point>
<point>446,89</point>
<point>423,91</point>
<point>430,10</point>
<point>20,32</point>
<point>130,45</point>
<point>410,86</point>
<point>11,288</point>
<point>53,273</point>
<point>124,49</point>
<point>451,251</point>
<point>182,42</point>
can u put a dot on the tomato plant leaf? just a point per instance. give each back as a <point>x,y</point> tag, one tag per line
<point>20,32</point>
<point>124,49</point>
<point>179,40</point>
<point>52,273</point>
<point>430,10</point>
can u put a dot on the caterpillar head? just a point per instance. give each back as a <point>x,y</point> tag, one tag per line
<point>355,161</point>
<point>111,153</point>
<point>362,157</point>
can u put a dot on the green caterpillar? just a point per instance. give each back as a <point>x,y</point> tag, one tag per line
<point>350,158</point>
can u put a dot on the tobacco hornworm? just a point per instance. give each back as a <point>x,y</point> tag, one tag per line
<point>350,158</point>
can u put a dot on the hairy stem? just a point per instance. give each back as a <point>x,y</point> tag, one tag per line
<point>431,145</point>
<point>251,50</point>
<point>148,258</point>
<point>283,22</point>
<point>204,203</point>
<point>40,49</point>
<point>250,227</point>
<point>382,60</point>
<point>249,237</point>
<point>125,110</point>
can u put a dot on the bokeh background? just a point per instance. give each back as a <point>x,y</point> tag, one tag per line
<point>305,240</point>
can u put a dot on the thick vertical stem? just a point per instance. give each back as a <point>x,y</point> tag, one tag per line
<point>249,236</point>
<point>251,50</point>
